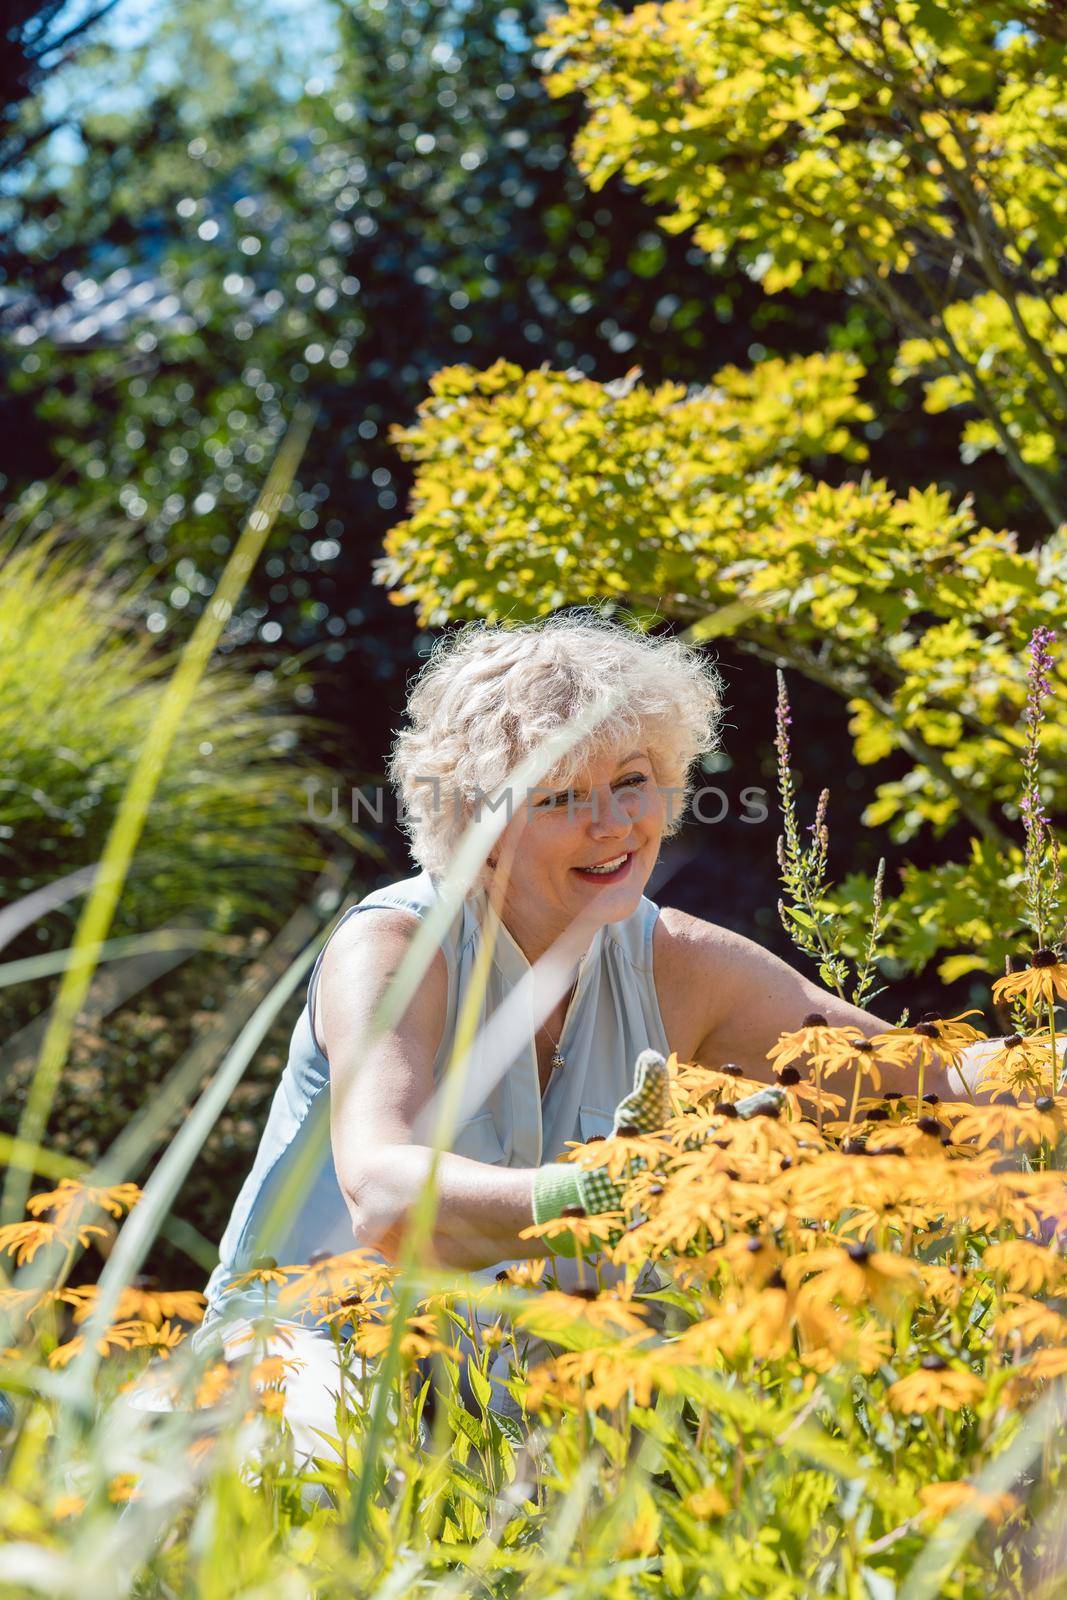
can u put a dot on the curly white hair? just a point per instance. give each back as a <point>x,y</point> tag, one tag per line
<point>489,693</point>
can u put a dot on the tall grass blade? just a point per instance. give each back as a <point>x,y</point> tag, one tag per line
<point>133,808</point>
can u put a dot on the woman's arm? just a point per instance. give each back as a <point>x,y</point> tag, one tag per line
<point>377,1093</point>
<point>748,997</point>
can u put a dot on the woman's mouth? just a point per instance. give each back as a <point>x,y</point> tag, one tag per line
<point>610,870</point>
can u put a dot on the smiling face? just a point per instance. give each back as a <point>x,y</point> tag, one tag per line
<point>612,817</point>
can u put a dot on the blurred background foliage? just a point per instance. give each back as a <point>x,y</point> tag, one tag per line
<point>201,222</point>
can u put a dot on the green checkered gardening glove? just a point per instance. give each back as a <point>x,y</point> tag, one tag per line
<point>562,1185</point>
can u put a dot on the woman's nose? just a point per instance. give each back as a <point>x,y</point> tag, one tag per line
<point>609,816</point>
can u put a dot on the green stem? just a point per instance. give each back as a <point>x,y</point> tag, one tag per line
<point>855,1096</point>
<point>1055,1056</point>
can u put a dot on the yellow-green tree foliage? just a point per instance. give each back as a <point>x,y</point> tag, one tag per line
<point>910,150</point>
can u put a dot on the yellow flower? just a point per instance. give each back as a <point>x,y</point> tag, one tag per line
<point>856,1275</point>
<point>553,1312</point>
<point>119,1337</point>
<point>751,1260</point>
<point>524,1274</point>
<point>73,1198</point>
<point>1024,1265</point>
<point>1009,1127</point>
<point>148,1305</point>
<point>1022,1321</point>
<point>420,1338</point>
<point>161,1337</point>
<point>589,1379</point>
<point>215,1384</point>
<point>813,1038</point>
<point>615,1156</point>
<point>1024,1061</point>
<point>935,1386</point>
<point>264,1270</point>
<point>589,1233</point>
<point>338,1289</point>
<point>848,1051</point>
<point>938,1499</point>
<point>1039,984</point>
<point>24,1239</point>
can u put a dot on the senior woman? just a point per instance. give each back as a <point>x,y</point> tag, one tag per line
<point>568,873</point>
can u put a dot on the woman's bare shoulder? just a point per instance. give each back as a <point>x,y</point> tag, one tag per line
<point>364,954</point>
<point>691,959</point>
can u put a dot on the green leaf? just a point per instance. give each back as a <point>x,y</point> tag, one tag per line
<point>801,917</point>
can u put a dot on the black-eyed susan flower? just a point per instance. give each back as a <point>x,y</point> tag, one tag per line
<point>813,1038</point>
<point>589,1379</point>
<point>121,1336</point>
<point>935,1386</point>
<point>1040,984</point>
<point>1025,1266</point>
<point>1022,1322</point>
<point>264,1270</point>
<point>24,1240</point>
<point>1010,1127</point>
<point>139,1301</point>
<point>855,1274</point>
<point>924,1045</point>
<point>1018,1062</point>
<point>161,1338</point>
<point>71,1199</point>
<point>337,1278</point>
<point>419,1338</point>
<point>553,1311</point>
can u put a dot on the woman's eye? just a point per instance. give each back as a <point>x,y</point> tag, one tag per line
<point>634,780</point>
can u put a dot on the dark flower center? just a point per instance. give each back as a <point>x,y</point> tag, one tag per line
<point>1013,1041</point>
<point>814,1019</point>
<point>727,1109</point>
<point>789,1075</point>
<point>929,1125</point>
<point>732,1070</point>
<point>1044,1102</point>
<point>933,1363</point>
<point>754,1246</point>
<point>860,1253</point>
<point>927,1030</point>
<point>1044,958</point>
<point>574,1211</point>
<point>585,1293</point>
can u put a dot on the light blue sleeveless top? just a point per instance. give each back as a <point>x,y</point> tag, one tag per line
<point>613,1015</point>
